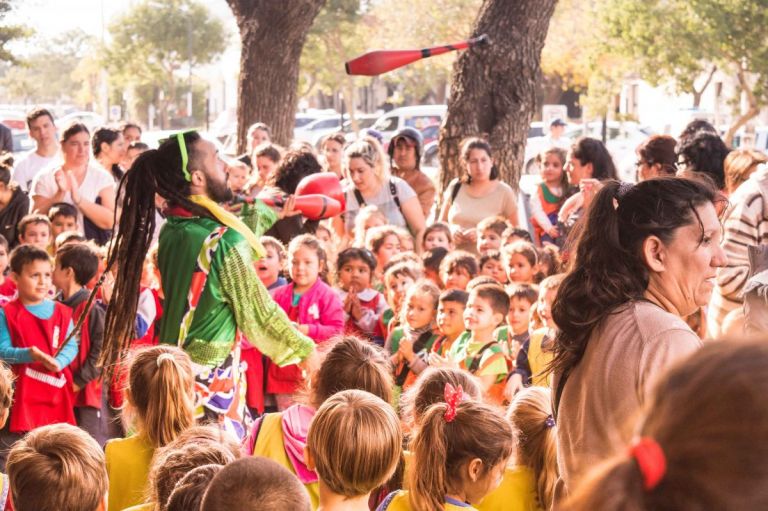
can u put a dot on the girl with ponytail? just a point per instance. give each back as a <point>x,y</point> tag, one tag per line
<point>646,259</point>
<point>159,405</point>
<point>459,454</point>
<point>702,443</point>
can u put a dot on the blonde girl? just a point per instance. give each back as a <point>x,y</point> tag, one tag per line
<point>354,444</point>
<point>159,405</point>
<point>368,218</point>
<point>530,484</point>
<point>459,453</point>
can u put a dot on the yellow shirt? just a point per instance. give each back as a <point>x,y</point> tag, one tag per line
<point>539,359</point>
<point>517,492</point>
<point>128,461</point>
<point>271,444</point>
<point>398,501</point>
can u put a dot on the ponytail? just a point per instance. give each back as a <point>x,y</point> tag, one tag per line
<point>440,448</point>
<point>161,390</point>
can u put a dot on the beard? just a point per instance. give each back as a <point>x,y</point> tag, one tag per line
<point>218,191</point>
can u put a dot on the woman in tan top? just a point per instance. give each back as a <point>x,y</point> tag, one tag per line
<point>478,195</point>
<point>646,258</point>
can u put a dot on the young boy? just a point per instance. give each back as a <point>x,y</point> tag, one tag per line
<point>492,266</point>
<point>77,461</point>
<point>270,266</point>
<point>63,217</point>
<point>438,235</point>
<point>476,350</point>
<point>490,232</point>
<point>76,265</point>
<point>431,259</point>
<point>33,330</point>
<point>35,230</point>
<point>457,269</point>
<point>397,280</point>
<point>450,322</point>
<point>516,337</point>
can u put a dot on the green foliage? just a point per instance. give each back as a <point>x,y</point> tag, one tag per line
<point>154,42</point>
<point>9,33</point>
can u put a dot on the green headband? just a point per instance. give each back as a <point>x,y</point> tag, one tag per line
<point>183,149</point>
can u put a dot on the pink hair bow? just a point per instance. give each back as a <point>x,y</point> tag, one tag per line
<point>453,396</point>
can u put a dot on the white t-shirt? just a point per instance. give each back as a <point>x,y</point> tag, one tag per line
<point>384,200</point>
<point>96,180</point>
<point>29,165</point>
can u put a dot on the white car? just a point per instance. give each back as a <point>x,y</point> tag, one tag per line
<point>418,117</point>
<point>317,129</point>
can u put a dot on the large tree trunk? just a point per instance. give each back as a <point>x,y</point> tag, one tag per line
<point>272,35</point>
<point>493,92</point>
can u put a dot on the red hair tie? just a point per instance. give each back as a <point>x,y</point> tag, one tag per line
<point>453,396</point>
<point>651,461</point>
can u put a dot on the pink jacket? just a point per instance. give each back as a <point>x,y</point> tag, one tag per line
<point>321,309</point>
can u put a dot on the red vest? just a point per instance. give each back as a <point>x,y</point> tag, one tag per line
<point>90,395</point>
<point>351,328</point>
<point>41,397</point>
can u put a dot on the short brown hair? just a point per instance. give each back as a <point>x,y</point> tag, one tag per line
<point>497,224</point>
<point>36,113</point>
<point>405,268</point>
<point>57,468</point>
<point>438,227</point>
<point>355,442</point>
<point>459,259</point>
<point>496,296</point>
<point>352,363</point>
<point>32,219</point>
<point>255,484</point>
<point>187,494</point>
<point>81,258</point>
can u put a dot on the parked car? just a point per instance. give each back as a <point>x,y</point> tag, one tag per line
<point>317,129</point>
<point>418,117</point>
<point>22,142</point>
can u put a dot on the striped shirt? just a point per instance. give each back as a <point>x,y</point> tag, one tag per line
<point>746,224</point>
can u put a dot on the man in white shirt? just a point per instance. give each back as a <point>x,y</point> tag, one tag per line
<point>43,131</point>
<point>555,137</point>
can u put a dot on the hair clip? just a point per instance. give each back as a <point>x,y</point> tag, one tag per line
<point>549,422</point>
<point>453,396</point>
<point>650,460</point>
<point>165,356</point>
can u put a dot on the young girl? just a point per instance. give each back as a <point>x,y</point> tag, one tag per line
<point>438,235</point>
<point>459,454</point>
<point>384,243</point>
<point>363,305</point>
<point>530,484</point>
<point>522,262</point>
<point>159,405</point>
<point>550,193</point>
<point>309,302</point>
<point>351,364</point>
<point>270,267</point>
<point>491,266</point>
<point>237,177</point>
<point>354,445</point>
<point>411,343</point>
<point>397,279</point>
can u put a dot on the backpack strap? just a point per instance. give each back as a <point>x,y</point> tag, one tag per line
<point>393,192</point>
<point>359,197</point>
<point>475,364</point>
<point>455,189</point>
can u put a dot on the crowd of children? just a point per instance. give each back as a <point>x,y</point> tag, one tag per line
<point>432,389</point>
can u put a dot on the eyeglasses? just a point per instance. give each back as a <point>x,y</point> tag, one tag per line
<point>183,150</point>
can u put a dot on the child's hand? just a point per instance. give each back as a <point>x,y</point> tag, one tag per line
<point>75,387</point>
<point>62,180</point>
<point>48,361</point>
<point>304,329</point>
<point>553,232</point>
<point>406,349</point>
<point>514,385</point>
<point>438,361</point>
<point>470,235</point>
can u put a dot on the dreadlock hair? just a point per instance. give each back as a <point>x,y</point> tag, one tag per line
<point>154,171</point>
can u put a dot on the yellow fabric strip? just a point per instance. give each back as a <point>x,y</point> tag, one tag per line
<point>231,221</point>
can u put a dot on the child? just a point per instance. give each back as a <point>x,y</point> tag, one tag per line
<point>491,266</point>
<point>431,260</point>
<point>196,447</point>
<point>522,262</point>
<point>35,333</point>
<point>63,217</point>
<point>383,242</point>
<point>354,445</point>
<point>458,455</point>
<point>188,493</point>
<point>477,351</point>
<point>160,404</point>
<point>522,299</point>
<point>438,235</point>
<point>7,285</point>
<point>270,266</point>
<point>363,306</point>
<point>368,218</point>
<point>536,353</point>
<point>76,265</point>
<point>407,243</point>
<point>411,343</point>
<point>397,279</point>
<point>351,364</point>
<point>255,484</point>
<point>550,262</point>
<point>514,234</point>
<point>135,148</point>
<point>530,484</point>
<point>457,269</point>
<point>490,233</point>
<point>309,302</point>
<point>6,399</point>
<point>237,176</point>
<point>450,322</point>
<point>550,194</point>
<point>57,468</point>
<point>35,230</point>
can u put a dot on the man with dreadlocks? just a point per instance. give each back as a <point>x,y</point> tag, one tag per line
<point>205,258</point>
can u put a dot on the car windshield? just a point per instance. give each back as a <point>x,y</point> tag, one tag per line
<point>388,123</point>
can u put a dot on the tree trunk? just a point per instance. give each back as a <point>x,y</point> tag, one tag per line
<point>697,93</point>
<point>752,111</point>
<point>272,36</point>
<point>493,91</point>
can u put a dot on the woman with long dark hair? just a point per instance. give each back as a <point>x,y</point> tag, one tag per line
<point>646,259</point>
